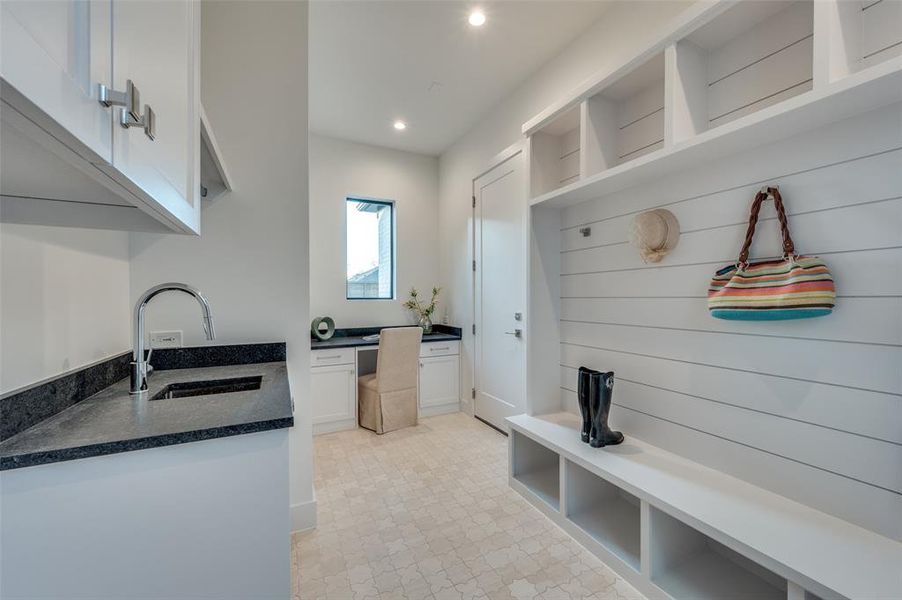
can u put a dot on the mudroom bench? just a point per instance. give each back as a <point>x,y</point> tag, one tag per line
<point>676,529</point>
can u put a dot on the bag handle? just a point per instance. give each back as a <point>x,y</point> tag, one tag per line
<point>760,197</point>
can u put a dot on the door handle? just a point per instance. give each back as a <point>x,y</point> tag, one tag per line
<point>517,333</point>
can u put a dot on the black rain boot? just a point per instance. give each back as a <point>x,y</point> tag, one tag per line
<point>601,389</point>
<point>582,395</point>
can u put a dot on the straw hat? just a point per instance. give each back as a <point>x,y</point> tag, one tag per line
<point>655,233</point>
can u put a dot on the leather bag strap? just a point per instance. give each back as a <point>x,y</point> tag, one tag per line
<point>760,197</point>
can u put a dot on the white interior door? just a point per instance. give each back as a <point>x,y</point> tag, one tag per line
<point>500,292</point>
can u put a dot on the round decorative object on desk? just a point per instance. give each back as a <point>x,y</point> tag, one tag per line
<point>322,328</point>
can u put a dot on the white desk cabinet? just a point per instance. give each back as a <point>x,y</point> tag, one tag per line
<point>67,158</point>
<point>333,393</point>
<point>334,372</point>
<point>439,384</point>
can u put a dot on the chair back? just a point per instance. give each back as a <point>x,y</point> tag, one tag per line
<point>399,358</point>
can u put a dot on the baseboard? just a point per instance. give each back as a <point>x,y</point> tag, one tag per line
<point>333,426</point>
<point>466,406</point>
<point>303,516</point>
<point>441,409</point>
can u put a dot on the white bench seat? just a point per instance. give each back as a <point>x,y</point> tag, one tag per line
<point>810,549</point>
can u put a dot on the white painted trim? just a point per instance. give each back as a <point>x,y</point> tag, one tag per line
<point>440,409</point>
<point>303,515</point>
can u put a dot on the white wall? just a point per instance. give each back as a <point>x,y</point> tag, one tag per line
<point>64,300</point>
<point>624,29</point>
<point>810,408</point>
<point>251,260</point>
<point>340,169</point>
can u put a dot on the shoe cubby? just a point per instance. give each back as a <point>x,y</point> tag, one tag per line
<point>753,55</point>
<point>606,513</point>
<point>625,120</point>
<point>537,468</point>
<point>555,153</point>
<point>686,563</point>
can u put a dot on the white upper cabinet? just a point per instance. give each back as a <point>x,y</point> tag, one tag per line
<point>130,163</point>
<point>154,46</point>
<point>55,53</point>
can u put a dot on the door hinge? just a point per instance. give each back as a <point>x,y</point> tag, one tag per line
<point>474,201</point>
<point>474,328</point>
<point>473,393</point>
<point>474,266</point>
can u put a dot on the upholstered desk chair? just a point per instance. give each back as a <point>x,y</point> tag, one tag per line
<point>387,399</point>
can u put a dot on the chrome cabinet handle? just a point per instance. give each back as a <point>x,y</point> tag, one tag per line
<point>516,333</point>
<point>328,357</point>
<point>130,99</point>
<point>442,348</point>
<point>147,121</point>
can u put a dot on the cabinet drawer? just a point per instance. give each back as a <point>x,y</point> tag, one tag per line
<point>335,356</point>
<point>428,349</point>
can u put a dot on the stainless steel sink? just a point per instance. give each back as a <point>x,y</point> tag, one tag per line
<point>186,389</point>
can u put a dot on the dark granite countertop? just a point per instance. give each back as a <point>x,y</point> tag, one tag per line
<point>112,421</point>
<point>350,338</point>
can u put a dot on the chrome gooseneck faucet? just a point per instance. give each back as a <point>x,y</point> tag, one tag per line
<point>140,366</point>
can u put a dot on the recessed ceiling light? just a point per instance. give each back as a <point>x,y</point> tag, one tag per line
<point>400,125</point>
<point>477,18</point>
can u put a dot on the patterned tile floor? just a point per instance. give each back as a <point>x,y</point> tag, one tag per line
<point>426,513</point>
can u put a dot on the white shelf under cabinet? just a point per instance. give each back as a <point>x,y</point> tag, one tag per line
<point>768,537</point>
<point>214,177</point>
<point>866,90</point>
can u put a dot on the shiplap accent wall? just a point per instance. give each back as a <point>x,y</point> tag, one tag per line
<point>811,409</point>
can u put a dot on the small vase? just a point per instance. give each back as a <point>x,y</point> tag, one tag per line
<point>426,324</point>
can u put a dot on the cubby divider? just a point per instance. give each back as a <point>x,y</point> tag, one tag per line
<point>686,563</point>
<point>603,511</point>
<point>537,468</point>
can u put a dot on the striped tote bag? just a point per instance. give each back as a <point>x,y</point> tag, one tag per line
<point>794,287</point>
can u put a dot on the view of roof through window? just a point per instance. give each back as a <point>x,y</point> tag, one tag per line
<point>370,249</point>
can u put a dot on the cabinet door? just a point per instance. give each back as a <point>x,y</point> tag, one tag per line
<point>55,53</point>
<point>439,380</point>
<point>333,393</point>
<point>155,44</point>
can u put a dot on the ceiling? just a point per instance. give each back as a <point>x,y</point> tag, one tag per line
<point>375,61</point>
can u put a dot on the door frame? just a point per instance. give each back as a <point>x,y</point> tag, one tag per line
<point>519,147</point>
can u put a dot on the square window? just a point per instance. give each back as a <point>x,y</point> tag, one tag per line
<point>370,249</point>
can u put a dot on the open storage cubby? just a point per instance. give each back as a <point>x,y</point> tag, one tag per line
<point>753,55</point>
<point>555,153</point>
<point>537,468</point>
<point>626,119</point>
<point>605,512</point>
<point>686,563</point>
<point>858,34</point>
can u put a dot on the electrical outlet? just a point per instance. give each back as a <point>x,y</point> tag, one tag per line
<point>165,339</point>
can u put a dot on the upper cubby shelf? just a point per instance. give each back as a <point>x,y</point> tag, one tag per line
<point>626,119</point>
<point>725,77</point>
